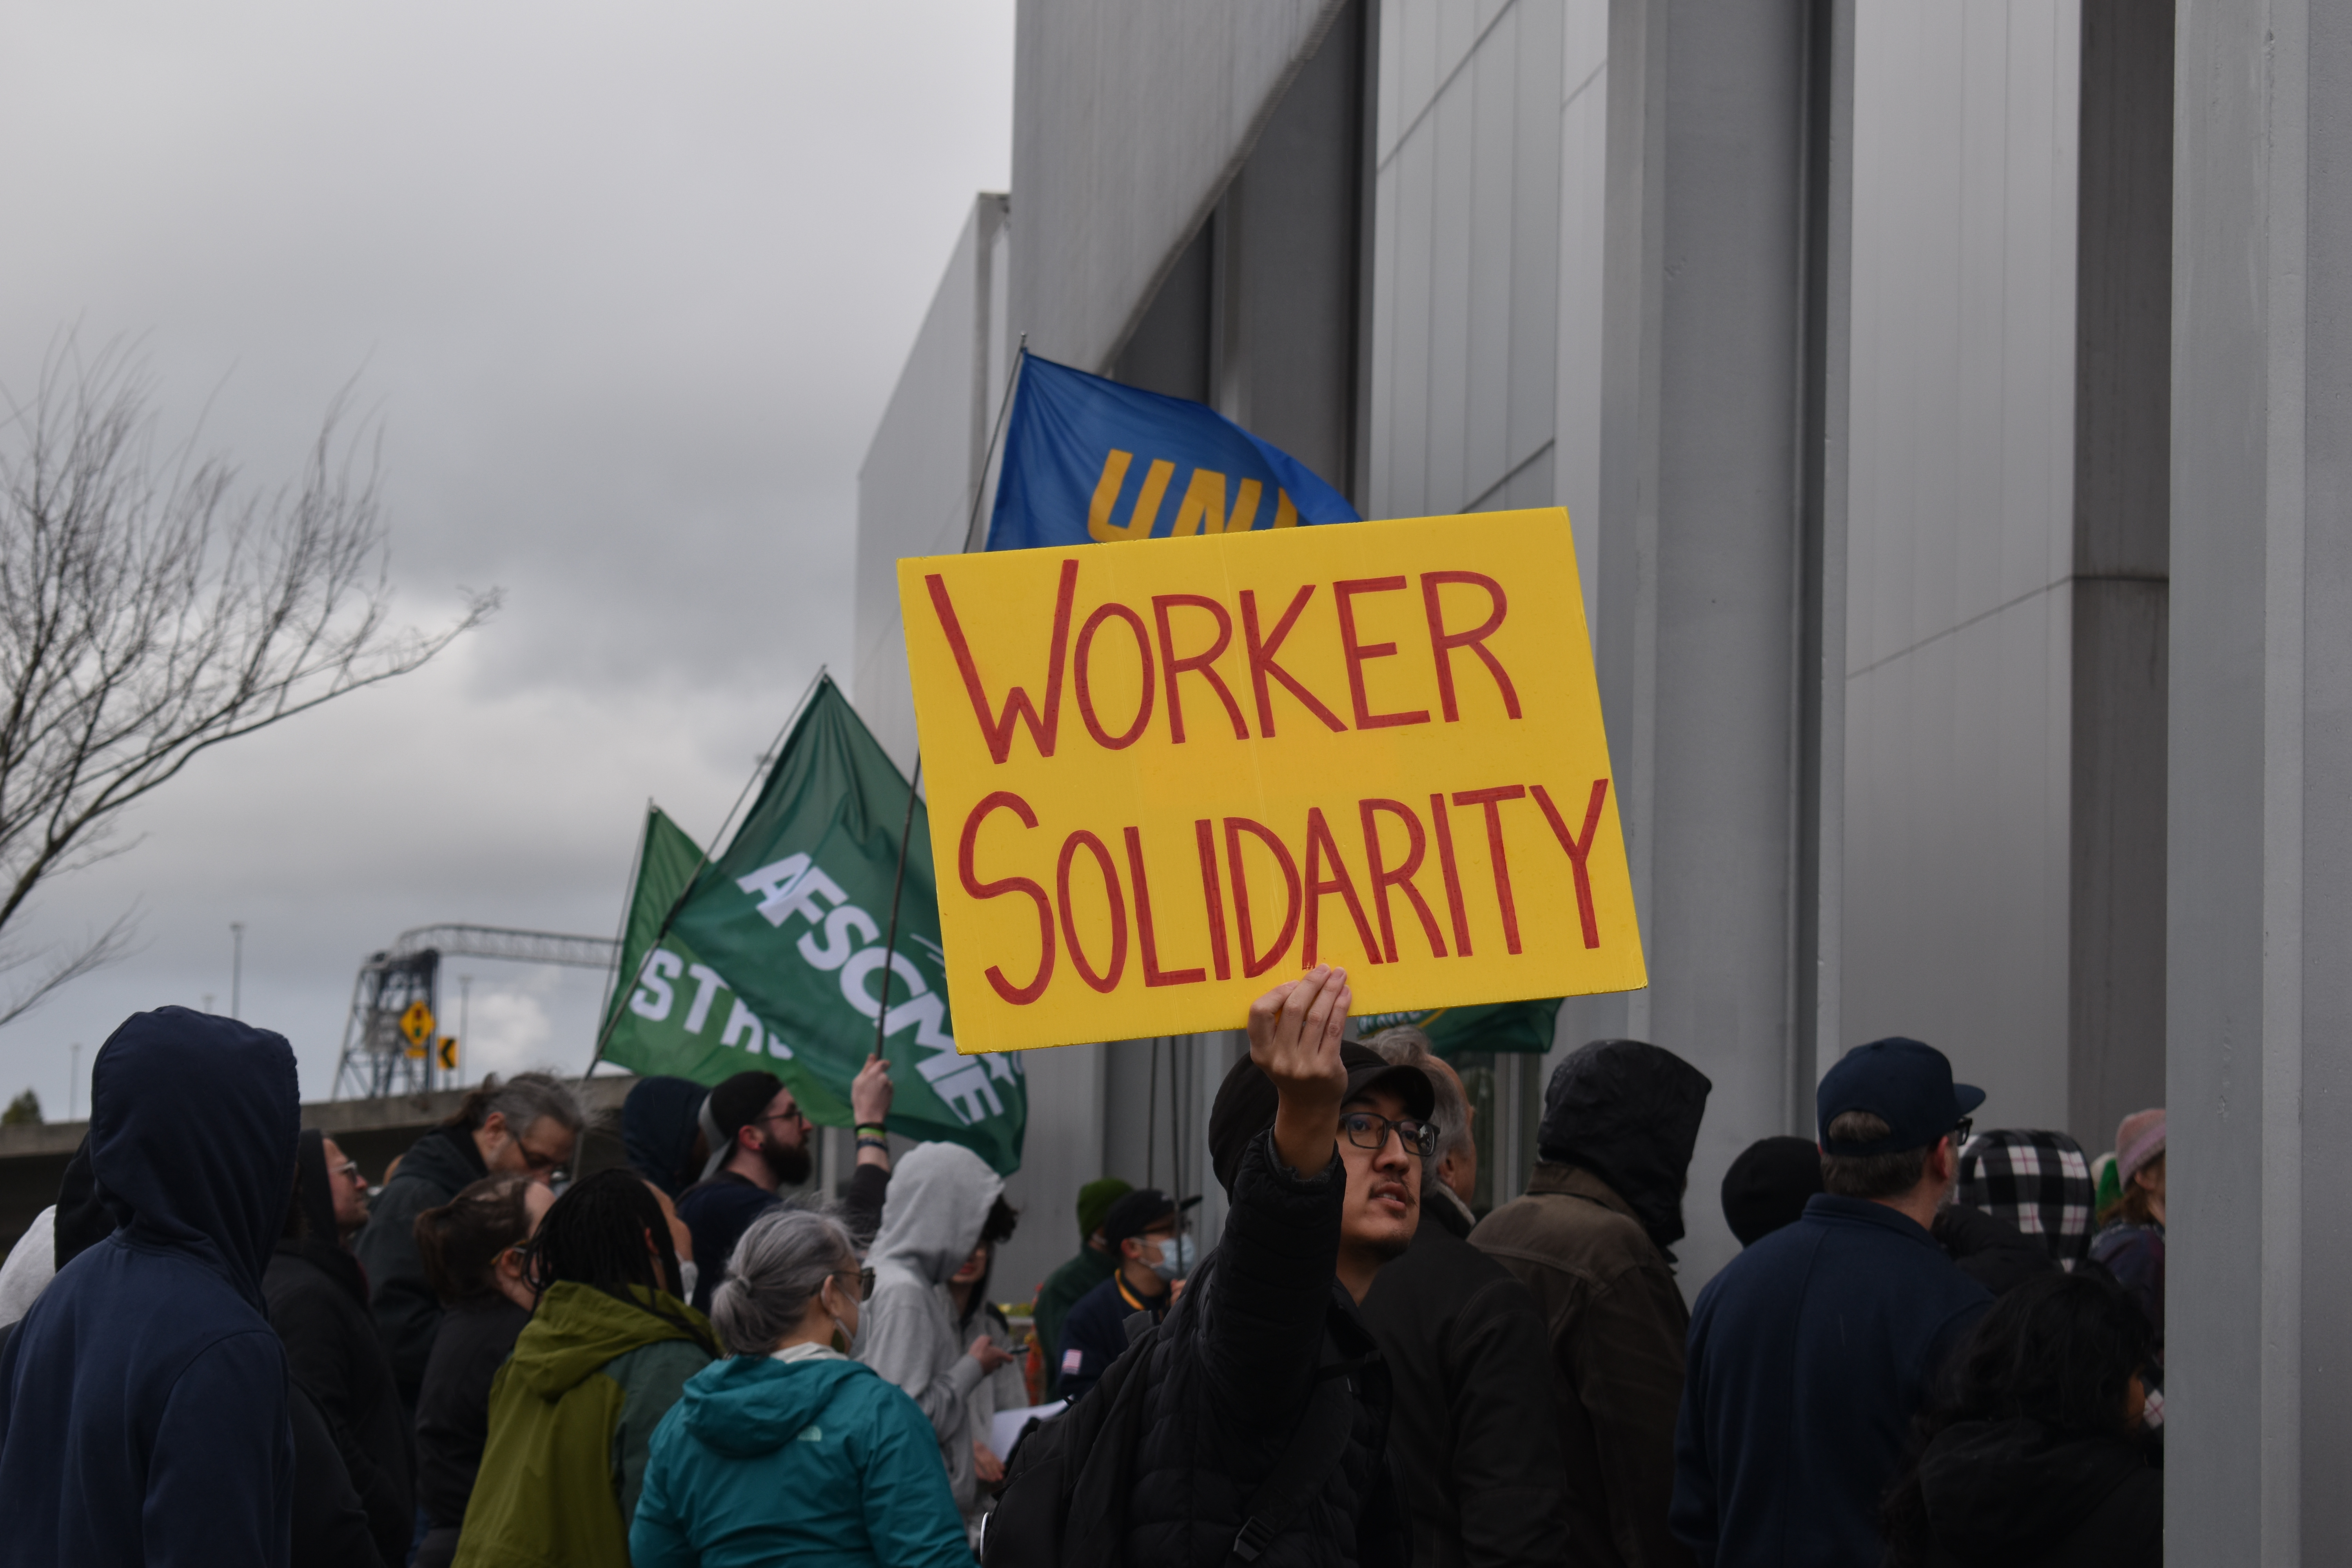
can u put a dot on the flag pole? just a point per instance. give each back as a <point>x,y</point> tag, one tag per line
<point>759,771</point>
<point>1003,409</point>
<point>914,783</point>
<point>897,885</point>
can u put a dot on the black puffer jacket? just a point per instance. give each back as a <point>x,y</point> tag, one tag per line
<point>1472,1441</point>
<point>1232,1375</point>
<point>318,1304</point>
<point>2015,1494</point>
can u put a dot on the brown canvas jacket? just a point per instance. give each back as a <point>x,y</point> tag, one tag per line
<point>1616,1321</point>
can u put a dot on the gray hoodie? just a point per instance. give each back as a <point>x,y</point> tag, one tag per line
<point>939,1197</point>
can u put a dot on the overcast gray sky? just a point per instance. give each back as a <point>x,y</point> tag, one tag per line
<point>626,288</point>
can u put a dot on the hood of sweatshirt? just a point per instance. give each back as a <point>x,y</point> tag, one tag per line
<point>939,1197</point>
<point>1628,1113</point>
<point>747,1405</point>
<point>579,1329</point>
<point>193,1124</point>
<point>2000,1490</point>
<point>658,1126</point>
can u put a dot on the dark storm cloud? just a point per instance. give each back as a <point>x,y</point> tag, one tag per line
<point>623,290</point>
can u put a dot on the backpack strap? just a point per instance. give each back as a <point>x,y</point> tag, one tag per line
<point>1312,1454</point>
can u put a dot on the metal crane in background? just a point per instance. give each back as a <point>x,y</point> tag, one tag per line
<point>392,1043</point>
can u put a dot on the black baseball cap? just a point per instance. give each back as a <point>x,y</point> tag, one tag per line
<point>1137,1212</point>
<point>1905,1083</point>
<point>734,1105</point>
<point>1246,1101</point>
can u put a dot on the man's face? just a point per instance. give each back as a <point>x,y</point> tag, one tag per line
<point>1150,1247</point>
<point>782,1139</point>
<point>537,1152</point>
<point>1383,1202</point>
<point>350,1191</point>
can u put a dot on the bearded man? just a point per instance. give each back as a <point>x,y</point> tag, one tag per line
<point>759,1143</point>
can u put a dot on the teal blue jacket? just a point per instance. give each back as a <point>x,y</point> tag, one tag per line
<point>820,1463</point>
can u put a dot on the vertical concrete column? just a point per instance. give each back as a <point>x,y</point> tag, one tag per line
<point>2259,990</point>
<point>1703,548</point>
<point>2123,336</point>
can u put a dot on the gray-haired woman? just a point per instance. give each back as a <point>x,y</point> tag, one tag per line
<point>788,1449</point>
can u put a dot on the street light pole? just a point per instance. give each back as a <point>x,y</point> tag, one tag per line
<point>465,1010</point>
<point>236,971</point>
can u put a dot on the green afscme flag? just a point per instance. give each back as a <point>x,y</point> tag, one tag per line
<point>776,957</point>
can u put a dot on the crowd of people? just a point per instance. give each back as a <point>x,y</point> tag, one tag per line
<point>1938,1347</point>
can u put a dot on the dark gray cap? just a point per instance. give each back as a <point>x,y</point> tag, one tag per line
<point>1246,1101</point>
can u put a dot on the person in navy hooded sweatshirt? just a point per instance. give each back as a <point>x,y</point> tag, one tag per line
<point>142,1400</point>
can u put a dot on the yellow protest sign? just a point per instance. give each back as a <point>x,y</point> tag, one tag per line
<point>1164,775</point>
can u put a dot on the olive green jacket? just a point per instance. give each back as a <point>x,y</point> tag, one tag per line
<point>571,1414</point>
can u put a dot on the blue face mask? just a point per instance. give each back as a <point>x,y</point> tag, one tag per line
<point>1175,1260</point>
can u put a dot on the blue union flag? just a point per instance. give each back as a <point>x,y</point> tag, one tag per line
<point>1090,461</point>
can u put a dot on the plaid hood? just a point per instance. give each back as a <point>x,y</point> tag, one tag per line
<point>2039,1181</point>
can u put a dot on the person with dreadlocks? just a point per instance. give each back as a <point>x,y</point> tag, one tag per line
<point>606,1353</point>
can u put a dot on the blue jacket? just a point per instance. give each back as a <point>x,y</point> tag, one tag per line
<point>142,1400</point>
<point>1809,1356</point>
<point>719,1212</point>
<point>1095,1334</point>
<point>818,1463</point>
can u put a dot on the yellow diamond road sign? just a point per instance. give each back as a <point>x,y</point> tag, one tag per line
<point>416,1022</point>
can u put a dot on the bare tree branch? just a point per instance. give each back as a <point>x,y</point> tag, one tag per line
<point>117,941</point>
<point>152,606</point>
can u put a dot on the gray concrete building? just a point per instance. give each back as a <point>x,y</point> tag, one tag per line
<point>1894,363</point>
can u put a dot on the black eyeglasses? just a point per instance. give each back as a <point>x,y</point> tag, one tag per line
<point>1960,1133</point>
<point>864,1278</point>
<point>1369,1130</point>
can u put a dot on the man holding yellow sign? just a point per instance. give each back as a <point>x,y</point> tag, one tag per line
<point>1165,771</point>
